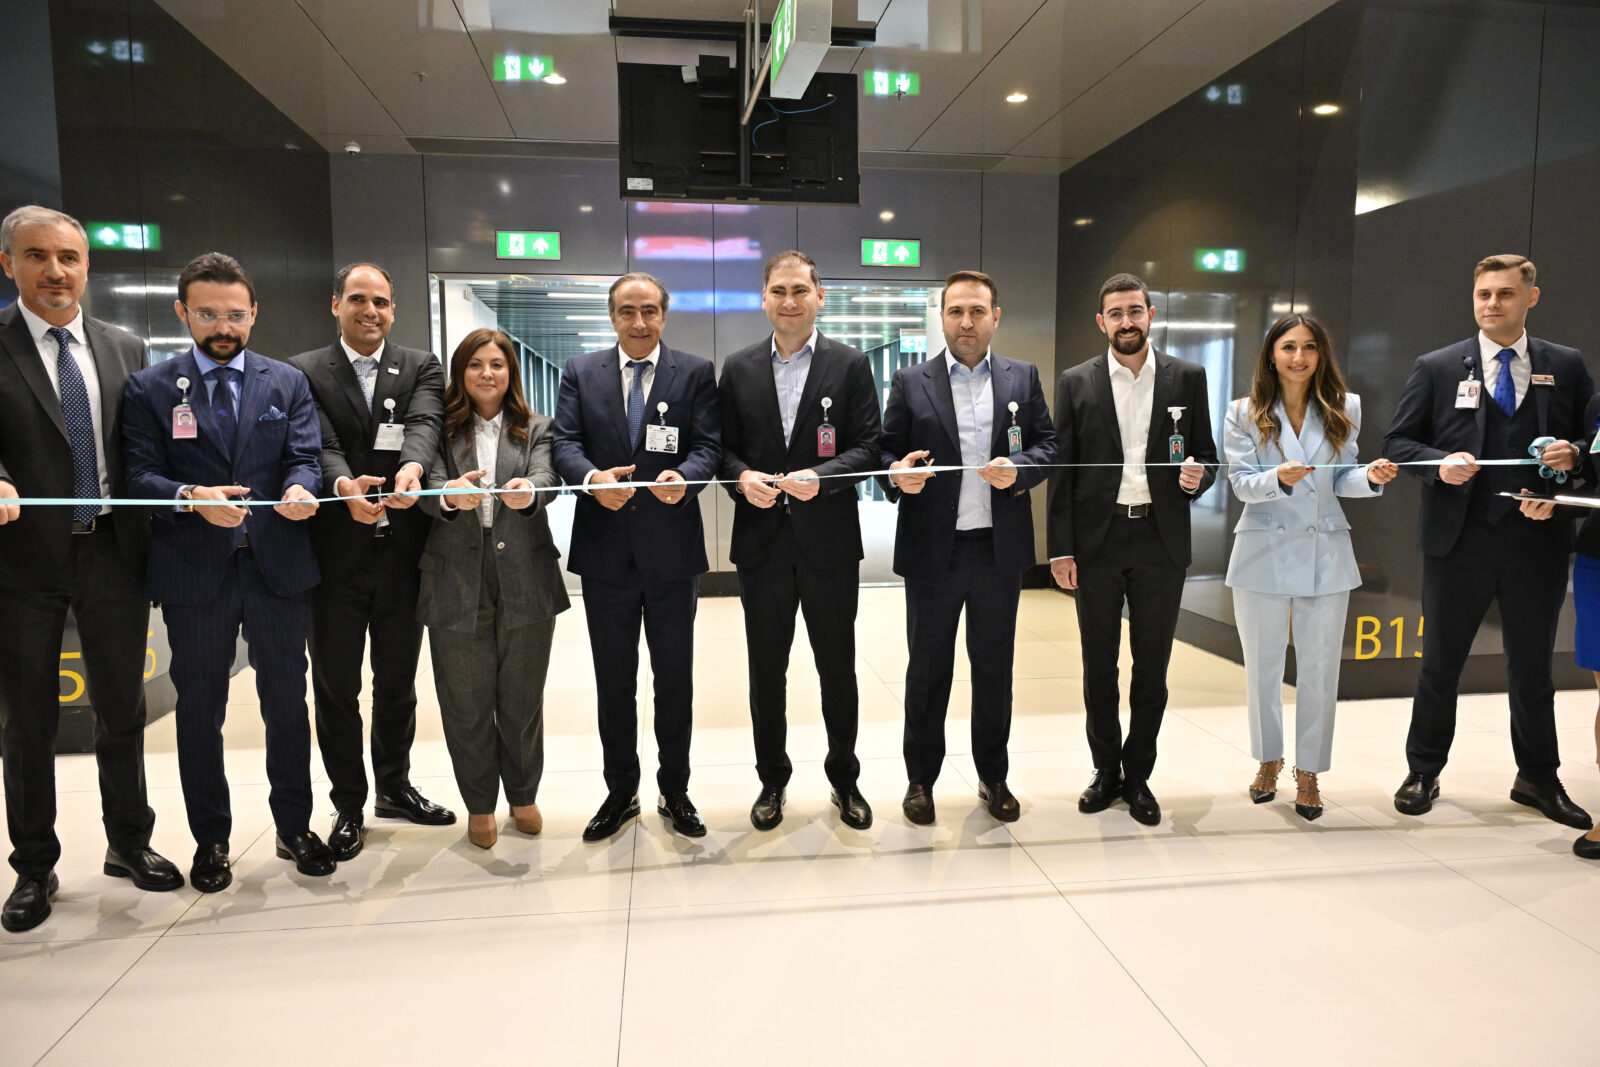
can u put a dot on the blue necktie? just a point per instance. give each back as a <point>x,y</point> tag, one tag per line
<point>79,417</point>
<point>636,400</point>
<point>222,403</point>
<point>1505,393</point>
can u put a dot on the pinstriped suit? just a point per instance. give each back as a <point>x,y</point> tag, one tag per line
<point>208,589</point>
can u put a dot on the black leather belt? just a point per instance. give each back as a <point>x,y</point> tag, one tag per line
<point>985,533</point>
<point>99,524</point>
<point>1132,511</point>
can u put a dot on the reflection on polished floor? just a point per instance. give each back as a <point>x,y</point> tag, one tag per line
<point>1228,934</point>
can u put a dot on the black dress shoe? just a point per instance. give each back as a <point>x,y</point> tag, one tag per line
<point>918,805</point>
<point>767,811</point>
<point>678,809</point>
<point>1105,787</point>
<point>151,872</point>
<point>1141,803</point>
<point>1551,799</point>
<point>617,809</point>
<point>349,833</point>
<point>1416,794</point>
<point>310,855</point>
<point>998,799</point>
<point>854,811</point>
<point>1587,848</point>
<point>412,805</point>
<point>29,902</point>
<point>211,871</point>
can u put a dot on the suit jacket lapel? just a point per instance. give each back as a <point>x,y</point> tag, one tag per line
<point>610,372</point>
<point>200,401</point>
<point>1003,388</point>
<point>252,399</point>
<point>507,460</point>
<point>112,378</point>
<point>768,413</point>
<point>1100,381</point>
<point>1485,398</point>
<point>383,385</point>
<point>1293,449</point>
<point>1160,420</point>
<point>936,381</point>
<point>1539,361</point>
<point>25,351</point>
<point>809,412</point>
<point>344,375</point>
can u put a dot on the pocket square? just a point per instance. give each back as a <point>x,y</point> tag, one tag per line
<point>272,414</point>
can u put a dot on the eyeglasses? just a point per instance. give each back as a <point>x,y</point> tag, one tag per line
<point>1137,314</point>
<point>211,318</point>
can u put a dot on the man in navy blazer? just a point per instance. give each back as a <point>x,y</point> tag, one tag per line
<point>1490,397</point>
<point>252,434</point>
<point>640,411</point>
<point>964,539</point>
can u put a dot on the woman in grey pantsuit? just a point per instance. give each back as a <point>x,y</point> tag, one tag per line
<point>491,586</point>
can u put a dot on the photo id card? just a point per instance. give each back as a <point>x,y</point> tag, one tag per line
<point>1175,448</point>
<point>659,438</point>
<point>183,427</point>
<point>1467,394</point>
<point>1014,439</point>
<point>391,435</point>
<point>827,447</point>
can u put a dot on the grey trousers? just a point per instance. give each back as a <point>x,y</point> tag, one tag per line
<point>491,700</point>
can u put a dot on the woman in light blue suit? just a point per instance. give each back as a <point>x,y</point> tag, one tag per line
<point>1291,450</point>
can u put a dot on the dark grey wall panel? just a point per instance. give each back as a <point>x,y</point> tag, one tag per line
<point>30,158</point>
<point>378,216</point>
<point>942,209</point>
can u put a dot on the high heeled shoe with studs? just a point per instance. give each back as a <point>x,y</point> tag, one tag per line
<point>1307,800</point>
<point>1265,786</point>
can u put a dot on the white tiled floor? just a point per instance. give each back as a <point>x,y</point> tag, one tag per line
<point>1229,934</point>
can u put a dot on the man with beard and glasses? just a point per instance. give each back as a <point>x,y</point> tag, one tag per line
<point>215,565</point>
<point>1118,532</point>
<point>61,376</point>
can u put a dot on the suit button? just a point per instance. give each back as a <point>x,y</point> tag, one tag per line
<point>952,507</point>
<point>1311,529</point>
<point>501,546</point>
<point>633,507</point>
<point>1280,529</point>
<point>1312,494</point>
<point>1271,496</point>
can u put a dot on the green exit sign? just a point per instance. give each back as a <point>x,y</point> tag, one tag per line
<point>1226,260</point>
<point>781,36</point>
<point>523,68</point>
<point>519,244</point>
<point>891,83</point>
<point>124,236</point>
<point>891,253</point>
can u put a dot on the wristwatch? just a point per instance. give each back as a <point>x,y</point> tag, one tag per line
<point>186,494</point>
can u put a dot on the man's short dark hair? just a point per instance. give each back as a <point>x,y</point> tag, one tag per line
<point>976,277</point>
<point>791,256</point>
<point>343,276</point>
<point>217,268</point>
<point>635,276</point>
<point>1123,283</point>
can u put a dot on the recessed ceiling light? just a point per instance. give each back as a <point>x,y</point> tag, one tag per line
<point>1325,109</point>
<point>1016,98</point>
<point>1082,222</point>
<point>585,208</point>
<point>886,216</point>
<point>554,79</point>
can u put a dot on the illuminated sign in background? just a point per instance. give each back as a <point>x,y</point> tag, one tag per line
<point>1225,94</point>
<point>521,244</point>
<point>523,68</point>
<point>891,83</point>
<point>124,235</point>
<point>894,252</point>
<point>1226,260</point>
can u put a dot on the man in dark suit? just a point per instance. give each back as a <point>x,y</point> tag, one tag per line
<point>963,541</point>
<point>61,377</point>
<point>380,407</point>
<point>216,565</point>
<point>800,428</point>
<point>1119,533</point>
<point>640,412</point>
<point>1490,397</point>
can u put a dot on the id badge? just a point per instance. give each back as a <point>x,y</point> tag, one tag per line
<point>1467,395</point>
<point>1014,439</point>
<point>659,438</point>
<point>391,435</point>
<point>1594,446</point>
<point>827,448</point>
<point>1175,448</point>
<point>183,427</point>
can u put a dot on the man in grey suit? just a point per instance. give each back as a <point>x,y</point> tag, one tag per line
<point>61,378</point>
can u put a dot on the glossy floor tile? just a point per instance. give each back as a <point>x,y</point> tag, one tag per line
<point>1229,933</point>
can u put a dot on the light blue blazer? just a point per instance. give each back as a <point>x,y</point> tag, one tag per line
<point>1295,541</point>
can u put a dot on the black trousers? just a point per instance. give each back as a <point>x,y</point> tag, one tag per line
<point>1131,568</point>
<point>113,617</point>
<point>379,595</point>
<point>203,638</point>
<point>933,611</point>
<point>613,607</point>
<point>771,592</point>
<point>1520,564</point>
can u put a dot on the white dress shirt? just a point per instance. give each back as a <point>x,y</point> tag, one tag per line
<point>1521,365</point>
<point>649,372</point>
<point>973,393</point>
<point>789,379</point>
<point>49,350</point>
<point>486,448</point>
<point>1132,395</point>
